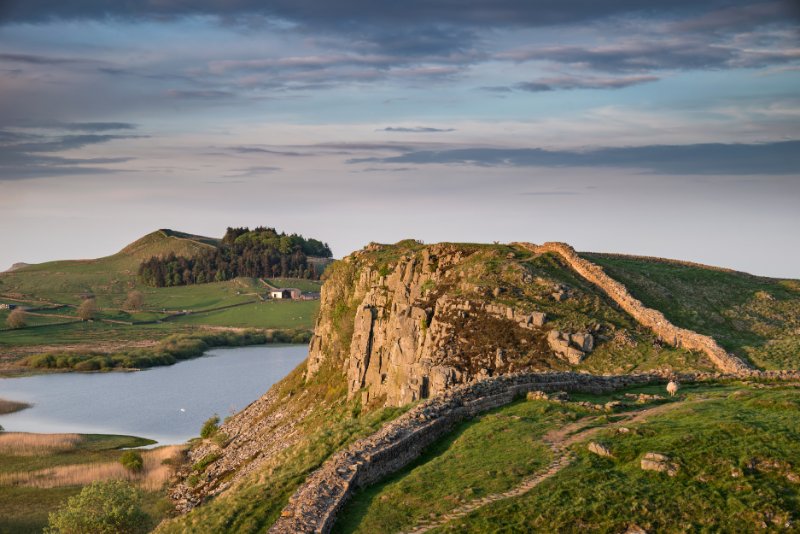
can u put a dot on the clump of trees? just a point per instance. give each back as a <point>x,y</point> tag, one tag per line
<point>87,309</point>
<point>101,508</point>
<point>243,252</point>
<point>17,319</point>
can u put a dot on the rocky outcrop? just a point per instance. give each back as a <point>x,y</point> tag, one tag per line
<point>415,325</point>
<point>570,347</point>
<point>314,506</point>
<point>652,319</point>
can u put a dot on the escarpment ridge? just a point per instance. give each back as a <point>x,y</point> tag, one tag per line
<point>409,321</point>
<point>461,328</point>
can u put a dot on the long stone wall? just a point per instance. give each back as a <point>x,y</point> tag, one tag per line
<point>314,506</point>
<point>653,319</point>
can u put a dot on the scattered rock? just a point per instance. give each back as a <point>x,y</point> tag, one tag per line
<point>643,398</point>
<point>599,449</point>
<point>635,529</point>
<point>662,463</point>
<point>612,405</point>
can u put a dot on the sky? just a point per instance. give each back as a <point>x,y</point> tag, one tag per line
<point>664,128</point>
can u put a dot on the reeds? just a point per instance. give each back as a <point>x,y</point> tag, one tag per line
<point>25,444</point>
<point>158,468</point>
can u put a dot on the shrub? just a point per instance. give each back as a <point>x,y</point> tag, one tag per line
<point>112,507</point>
<point>87,309</point>
<point>205,461</point>
<point>210,427</point>
<point>135,300</point>
<point>17,319</point>
<point>132,461</point>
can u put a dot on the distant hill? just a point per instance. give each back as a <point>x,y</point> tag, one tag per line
<point>67,280</point>
<point>18,265</point>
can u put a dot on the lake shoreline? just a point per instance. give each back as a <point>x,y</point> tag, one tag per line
<point>172,350</point>
<point>167,404</point>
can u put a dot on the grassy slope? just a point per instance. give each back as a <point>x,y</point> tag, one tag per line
<point>25,509</point>
<point>486,455</point>
<point>757,318</point>
<point>715,490</point>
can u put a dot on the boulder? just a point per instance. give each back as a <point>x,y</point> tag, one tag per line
<point>653,461</point>
<point>583,341</point>
<point>599,449</point>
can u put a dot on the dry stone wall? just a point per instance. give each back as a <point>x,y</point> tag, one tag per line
<point>314,506</point>
<point>653,319</point>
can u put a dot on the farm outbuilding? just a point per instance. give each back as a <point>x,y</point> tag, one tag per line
<point>285,293</point>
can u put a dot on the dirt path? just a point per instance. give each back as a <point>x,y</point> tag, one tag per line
<point>559,440</point>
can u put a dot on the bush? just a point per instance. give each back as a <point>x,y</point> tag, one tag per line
<point>101,508</point>
<point>132,461</point>
<point>134,301</point>
<point>17,319</point>
<point>87,309</point>
<point>210,427</point>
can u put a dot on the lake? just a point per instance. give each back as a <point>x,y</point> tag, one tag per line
<point>167,404</point>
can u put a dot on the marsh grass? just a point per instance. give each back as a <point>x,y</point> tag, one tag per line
<point>38,472</point>
<point>154,474</point>
<point>28,444</point>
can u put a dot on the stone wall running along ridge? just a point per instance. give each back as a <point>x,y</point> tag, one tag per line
<point>652,319</point>
<point>314,506</point>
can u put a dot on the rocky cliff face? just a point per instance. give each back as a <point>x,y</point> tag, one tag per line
<point>410,321</point>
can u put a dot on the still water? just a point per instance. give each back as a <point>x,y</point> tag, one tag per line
<point>167,404</point>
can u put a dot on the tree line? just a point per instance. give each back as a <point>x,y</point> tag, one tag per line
<point>261,252</point>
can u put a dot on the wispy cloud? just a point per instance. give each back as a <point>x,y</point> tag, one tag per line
<point>26,155</point>
<point>583,82</point>
<point>416,129</point>
<point>708,158</point>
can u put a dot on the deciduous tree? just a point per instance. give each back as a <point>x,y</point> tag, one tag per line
<point>17,319</point>
<point>87,309</point>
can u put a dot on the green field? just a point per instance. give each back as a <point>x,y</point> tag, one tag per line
<point>757,318</point>
<point>276,314</point>
<point>24,508</point>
